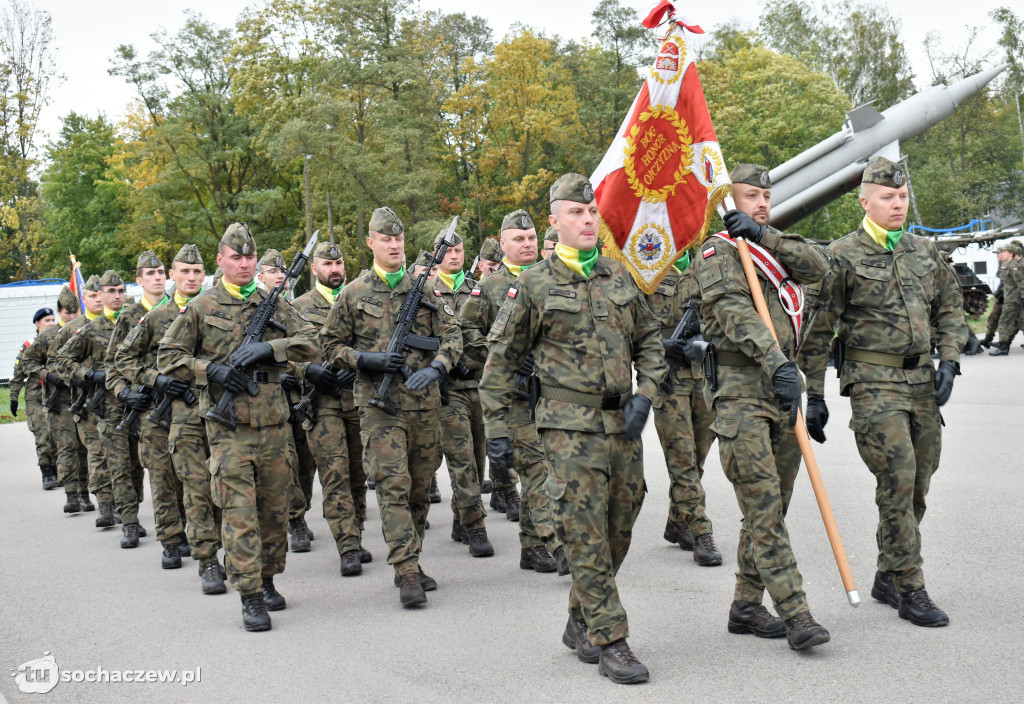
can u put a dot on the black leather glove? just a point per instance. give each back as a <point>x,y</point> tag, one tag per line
<point>169,386</point>
<point>55,380</point>
<point>499,454</point>
<point>227,376</point>
<point>674,349</point>
<point>96,376</point>
<point>346,380</point>
<point>944,380</point>
<point>693,352</point>
<point>787,389</point>
<point>135,399</point>
<point>380,362</point>
<point>461,371</point>
<point>634,416</point>
<point>14,406</point>
<point>290,382</point>
<point>739,224</point>
<point>528,367</point>
<point>817,416</point>
<point>251,353</point>
<point>324,379</point>
<point>425,377</point>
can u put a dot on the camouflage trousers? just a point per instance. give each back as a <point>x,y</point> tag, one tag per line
<point>899,436</point>
<point>402,453</point>
<point>597,486</point>
<point>993,318</point>
<point>190,453</point>
<point>331,445</point>
<point>683,422</point>
<point>1011,320</point>
<point>39,424</point>
<point>536,522</point>
<point>164,485</point>
<point>761,458</point>
<point>72,458</point>
<point>100,483</point>
<point>121,454</point>
<point>303,468</point>
<point>465,453</point>
<point>250,481</point>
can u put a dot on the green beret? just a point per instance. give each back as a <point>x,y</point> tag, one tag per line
<point>883,172</point>
<point>111,278</point>
<point>551,235</point>
<point>751,174</point>
<point>424,259</point>
<point>93,284</point>
<point>148,260</point>
<point>441,234</point>
<point>189,254</point>
<point>239,238</point>
<point>574,187</point>
<point>271,258</point>
<point>386,222</point>
<point>491,250</point>
<point>67,301</point>
<point>327,250</point>
<point>517,220</point>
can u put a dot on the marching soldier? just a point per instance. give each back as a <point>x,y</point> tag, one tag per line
<point>888,293</point>
<point>1011,294</point>
<point>754,395</point>
<point>489,258</point>
<point>248,463</point>
<point>401,451</point>
<point>38,423</point>
<point>587,327</point>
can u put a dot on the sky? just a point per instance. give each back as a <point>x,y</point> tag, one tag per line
<point>87,33</point>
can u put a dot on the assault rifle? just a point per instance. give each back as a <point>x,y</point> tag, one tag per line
<point>50,402</point>
<point>130,422</point>
<point>306,407</point>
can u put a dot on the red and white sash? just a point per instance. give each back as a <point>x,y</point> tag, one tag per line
<point>790,294</point>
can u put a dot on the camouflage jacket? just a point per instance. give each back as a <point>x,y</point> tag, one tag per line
<point>129,319</point>
<point>1011,281</point>
<point>36,356</point>
<point>363,320</point>
<point>59,340</point>
<point>315,308</point>
<point>19,377</point>
<point>211,327</point>
<point>441,295</point>
<point>586,336</point>
<point>730,321</point>
<point>84,352</point>
<point>893,302</point>
<point>669,302</point>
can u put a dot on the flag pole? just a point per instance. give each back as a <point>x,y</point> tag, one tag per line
<point>803,440</point>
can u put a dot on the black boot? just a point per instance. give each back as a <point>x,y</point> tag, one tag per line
<point>365,555</point>
<point>271,597</point>
<point>498,501</point>
<point>561,561</point>
<point>50,480</point>
<point>171,559</point>
<point>617,663</point>
<point>705,553</point>
<point>411,592</point>
<point>575,638</point>
<point>131,535</point>
<point>803,632</point>
<point>300,541</point>
<point>184,549</point>
<point>884,589</point>
<point>105,519</point>
<point>987,342</point>
<point>512,503</point>
<point>72,505</point>
<point>479,545</point>
<point>254,612</point>
<point>487,487</point>
<point>536,558</point>
<point>1001,349</point>
<point>85,502</point>
<point>750,617</point>
<point>435,493</point>
<point>428,583</point>
<point>459,534</point>
<point>213,580</point>
<point>972,347</point>
<point>918,608</point>
<point>350,564</point>
<point>678,532</point>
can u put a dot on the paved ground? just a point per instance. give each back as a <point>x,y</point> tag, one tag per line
<point>491,631</point>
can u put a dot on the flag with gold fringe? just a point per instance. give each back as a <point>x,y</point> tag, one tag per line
<point>663,176</point>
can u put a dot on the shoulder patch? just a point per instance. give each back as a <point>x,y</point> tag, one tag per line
<point>512,292</point>
<point>436,292</point>
<point>561,292</point>
<point>709,252</point>
<point>448,309</point>
<point>475,292</point>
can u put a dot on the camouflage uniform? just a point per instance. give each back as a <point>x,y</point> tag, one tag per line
<point>757,445</point>
<point>38,423</point>
<point>250,476</point>
<point>1011,318</point>
<point>885,306</point>
<point>586,334</point>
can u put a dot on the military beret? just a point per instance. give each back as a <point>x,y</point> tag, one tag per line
<point>386,222</point>
<point>440,235</point>
<point>517,220</point>
<point>148,260</point>
<point>93,284</point>
<point>1017,248</point>
<point>67,301</point>
<point>189,254</point>
<point>239,238</point>
<point>551,235</point>
<point>751,174</point>
<point>327,250</point>
<point>41,313</point>
<point>574,187</point>
<point>883,172</point>
<point>491,250</point>
<point>271,258</point>
<point>424,259</point>
<point>111,278</point>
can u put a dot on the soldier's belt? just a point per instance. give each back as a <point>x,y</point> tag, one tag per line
<point>886,360</point>
<point>265,377</point>
<point>608,402</point>
<point>734,359</point>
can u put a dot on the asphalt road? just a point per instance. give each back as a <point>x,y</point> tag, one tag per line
<point>492,631</point>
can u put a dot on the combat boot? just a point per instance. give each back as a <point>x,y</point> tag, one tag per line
<point>72,505</point>
<point>803,632</point>
<point>271,597</point>
<point>987,342</point>
<point>575,638</point>
<point>617,663</point>
<point>512,504</point>
<point>142,531</point>
<point>184,549</point>
<point>435,492</point>
<point>213,579</point>
<point>561,561</point>
<point>105,518</point>
<point>50,480</point>
<point>705,553</point>
<point>428,583</point>
<point>1001,349</point>
<point>498,501</point>
<point>365,555</point>
<point>750,617</point>
<point>918,608</point>
<point>117,517</point>
<point>131,535</point>
<point>536,558</point>
<point>459,534</point>
<point>487,487</point>
<point>678,532</point>
<point>171,559</point>
<point>85,502</point>
<point>884,589</point>
<point>479,545</point>
<point>300,541</point>
<point>350,564</point>
<point>972,347</point>
<point>254,612</point>
<point>411,592</point>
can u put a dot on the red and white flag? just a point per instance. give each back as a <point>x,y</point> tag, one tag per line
<point>663,176</point>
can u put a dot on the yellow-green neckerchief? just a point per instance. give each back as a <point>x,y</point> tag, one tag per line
<point>242,292</point>
<point>329,293</point>
<point>111,315</point>
<point>580,261</point>
<point>515,269</point>
<point>452,281</point>
<point>885,238</point>
<point>91,316</point>
<point>391,278</point>
<point>150,306</point>
<point>179,300</point>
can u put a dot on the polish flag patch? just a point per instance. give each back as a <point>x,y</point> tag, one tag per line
<point>708,252</point>
<point>512,293</point>
<point>475,292</point>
